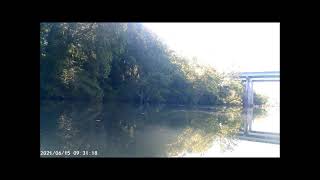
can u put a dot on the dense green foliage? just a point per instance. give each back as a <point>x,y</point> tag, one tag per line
<point>124,61</point>
<point>259,99</point>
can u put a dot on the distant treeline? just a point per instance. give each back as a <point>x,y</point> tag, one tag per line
<point>125,62</point>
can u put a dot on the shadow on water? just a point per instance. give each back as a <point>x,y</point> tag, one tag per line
<point>129,130</point>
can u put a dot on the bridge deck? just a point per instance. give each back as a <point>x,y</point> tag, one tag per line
<point>268,74</point>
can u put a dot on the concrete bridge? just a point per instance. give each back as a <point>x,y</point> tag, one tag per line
<point>250,77</point>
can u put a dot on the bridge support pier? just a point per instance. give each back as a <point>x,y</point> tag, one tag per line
<point>249,93</point>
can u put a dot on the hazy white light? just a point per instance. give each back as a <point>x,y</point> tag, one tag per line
<point>226,46</point>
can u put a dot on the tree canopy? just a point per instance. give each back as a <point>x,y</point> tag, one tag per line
<point>125,62</point>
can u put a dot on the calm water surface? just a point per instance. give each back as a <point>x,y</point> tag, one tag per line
<point>129,130</point>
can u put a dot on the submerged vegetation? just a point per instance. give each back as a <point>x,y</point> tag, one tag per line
<point>125,62</point>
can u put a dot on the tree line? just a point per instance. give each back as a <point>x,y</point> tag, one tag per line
<point>125,62</point>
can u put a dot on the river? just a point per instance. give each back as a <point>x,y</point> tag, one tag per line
<point>81,129</point>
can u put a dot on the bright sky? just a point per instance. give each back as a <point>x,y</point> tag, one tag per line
<point>227,46</point>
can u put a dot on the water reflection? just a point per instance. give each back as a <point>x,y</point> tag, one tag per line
<point>246,133</point>
<point>221,125</point>
<point>128,130</point>
<point>248,120</point>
